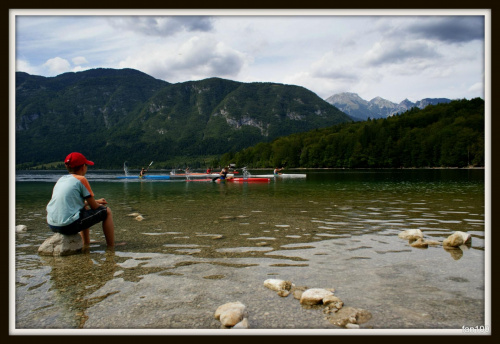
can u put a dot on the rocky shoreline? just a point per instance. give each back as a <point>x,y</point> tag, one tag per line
<point>235,315</point>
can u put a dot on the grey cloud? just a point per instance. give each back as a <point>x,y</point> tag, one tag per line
<point>201,58</point>
<point>396,53</point>
<point>188,23</point>
<point>222,66</point>
<point>162,26</point>
<point>450,29</point>
<point>229,65</point>
<point>336,74</point>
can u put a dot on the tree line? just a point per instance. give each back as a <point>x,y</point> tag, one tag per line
<point>442,135</point>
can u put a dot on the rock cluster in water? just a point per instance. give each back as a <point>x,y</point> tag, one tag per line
<point>416,239</point>
<point>337,314</point>
<point>234,315</point>
<point>136,216</point>
<point>454,244</point>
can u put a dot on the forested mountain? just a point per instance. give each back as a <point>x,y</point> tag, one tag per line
<point>117,115</point>
<point>443,135</point>
<point>360,109</point>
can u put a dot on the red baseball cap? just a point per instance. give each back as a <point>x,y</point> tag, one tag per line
<point>76,159</point>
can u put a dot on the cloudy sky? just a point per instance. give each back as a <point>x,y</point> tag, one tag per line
<point>394,55</point>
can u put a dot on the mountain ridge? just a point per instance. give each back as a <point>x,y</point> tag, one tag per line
<point>360,109</point>
<point>117,115</point>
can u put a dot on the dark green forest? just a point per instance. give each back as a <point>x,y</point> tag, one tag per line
<point>443,135</point>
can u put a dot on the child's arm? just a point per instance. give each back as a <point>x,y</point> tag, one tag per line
<point>94,204</point>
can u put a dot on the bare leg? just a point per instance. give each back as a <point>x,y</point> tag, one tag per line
<point>108,227</point>
<point>85,234</point>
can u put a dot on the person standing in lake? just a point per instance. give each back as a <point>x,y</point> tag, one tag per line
<point>73,208</point>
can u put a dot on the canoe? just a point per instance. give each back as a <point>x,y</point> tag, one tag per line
<point>234,180</point>
<point>188,174</point>
<point>284,175</point>
<point>196,175</point>
<point>150,177</point>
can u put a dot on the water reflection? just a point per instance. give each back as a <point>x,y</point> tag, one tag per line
<point>75,278</point>
<point>456,252</point>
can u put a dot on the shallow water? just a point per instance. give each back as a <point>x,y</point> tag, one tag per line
<point>202,245</point>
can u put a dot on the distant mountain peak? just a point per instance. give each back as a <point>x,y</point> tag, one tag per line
<point>346,96</point>
<point>360,109</point>
<point>381,102</point>
<point>348,102</point>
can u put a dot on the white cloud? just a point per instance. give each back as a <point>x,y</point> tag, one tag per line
<point>323,87</point>
<point>78,69</point>
<point>331,67</point>
<point>24,66</point>
<point>477,88</point>
<point>79,60</point>
<point>57,65</point>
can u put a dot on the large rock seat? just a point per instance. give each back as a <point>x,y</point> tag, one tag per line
<point>61,245</point>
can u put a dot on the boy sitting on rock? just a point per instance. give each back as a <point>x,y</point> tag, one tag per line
<point>73,208</point>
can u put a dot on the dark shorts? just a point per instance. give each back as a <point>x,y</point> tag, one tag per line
<point>88,218</point>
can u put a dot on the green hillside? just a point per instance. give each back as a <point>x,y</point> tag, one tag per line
<point>125,115</point>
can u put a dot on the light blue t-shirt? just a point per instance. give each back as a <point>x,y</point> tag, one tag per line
<point>68,198</point>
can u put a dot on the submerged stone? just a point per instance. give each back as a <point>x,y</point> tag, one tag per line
<point>350,315</point>
<point>242,324</point>
<point>277,284</point>
<point>21,228</point>
<point>333,301</point>
<point>411,234</point>
<point>419,243</point>
<point>314,296</point>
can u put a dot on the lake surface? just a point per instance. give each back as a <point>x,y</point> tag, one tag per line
<point>203,244</point>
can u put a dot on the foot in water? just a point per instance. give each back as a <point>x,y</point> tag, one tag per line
<point>97,242</point>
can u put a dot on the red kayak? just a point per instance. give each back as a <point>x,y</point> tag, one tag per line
<point>235,180</point>
<point>248,180</point>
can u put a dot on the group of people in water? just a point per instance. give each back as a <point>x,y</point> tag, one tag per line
<point>223,174</point>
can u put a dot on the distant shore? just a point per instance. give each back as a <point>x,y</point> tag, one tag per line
<point>197,170</point>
